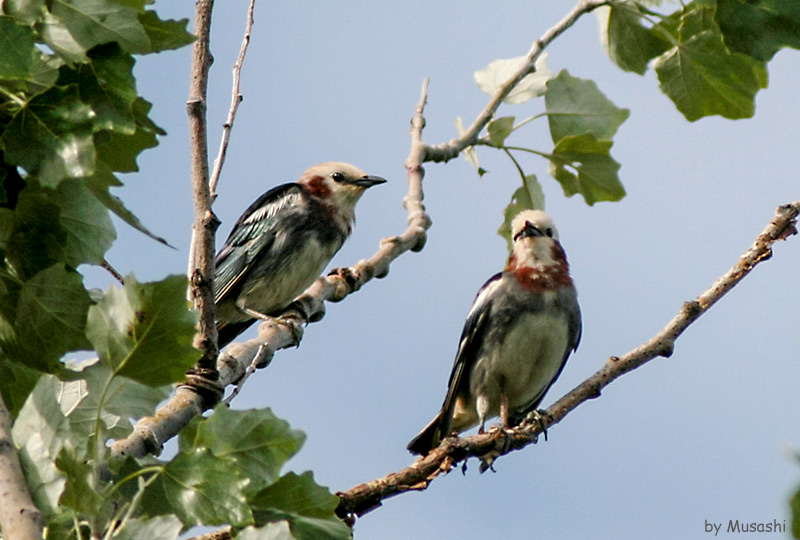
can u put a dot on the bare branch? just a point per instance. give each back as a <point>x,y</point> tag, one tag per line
<point>365,497</point>
<point>105,265</point>
<point>19,517</point>
<point>201,257</point>
<point>447,151</point>
<point>236,99</point>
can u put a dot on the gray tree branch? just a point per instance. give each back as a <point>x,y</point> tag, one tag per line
<point>19,517</point>
<point>201,256</point>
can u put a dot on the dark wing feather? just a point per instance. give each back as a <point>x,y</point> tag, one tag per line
<point>252,234</point>
<point>471,340</point>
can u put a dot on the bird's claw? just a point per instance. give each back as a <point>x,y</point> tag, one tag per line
<point>537,417</point>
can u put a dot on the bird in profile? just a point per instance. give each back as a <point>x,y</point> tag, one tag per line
<point>522,327</point>
<point>282,243</point>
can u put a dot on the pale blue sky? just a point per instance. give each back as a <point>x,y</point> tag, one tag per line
<point>704,435</point>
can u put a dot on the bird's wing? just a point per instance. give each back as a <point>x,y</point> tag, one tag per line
<point>568,301</point>
<point>253,233</point>
<point>471,340</point>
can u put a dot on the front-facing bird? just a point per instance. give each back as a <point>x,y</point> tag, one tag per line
<point>282,243</point>
<point>522,327</point>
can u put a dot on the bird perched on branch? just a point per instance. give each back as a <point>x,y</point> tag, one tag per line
<point>522,327</point>
<point>282,243</point>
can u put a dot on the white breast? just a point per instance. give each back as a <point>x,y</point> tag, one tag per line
<point>524,365</point>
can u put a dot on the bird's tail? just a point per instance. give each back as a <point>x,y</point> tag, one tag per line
<point>428,438</point>
<point>227,332</point>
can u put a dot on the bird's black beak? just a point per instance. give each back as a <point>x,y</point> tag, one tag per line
<point>369,181</point>
<point>529,230</point>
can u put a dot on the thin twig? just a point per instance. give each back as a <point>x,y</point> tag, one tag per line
<point>236,99</point>
<point>19,517</point>
<point>449,150</point>
<point>488,446</point>
<point>201,259</point>
<point>105,265</point>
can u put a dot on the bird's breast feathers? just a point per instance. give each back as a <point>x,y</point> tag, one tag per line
<point>287,273</point>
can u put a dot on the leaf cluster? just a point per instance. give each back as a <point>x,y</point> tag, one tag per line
<point>227,470</point>
<point>70,120</point>
<point>710,57</point>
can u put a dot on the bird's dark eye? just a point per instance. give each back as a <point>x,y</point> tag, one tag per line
<point>549,232</point>
<point>337,177</point>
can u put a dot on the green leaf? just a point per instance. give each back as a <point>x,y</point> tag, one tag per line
<point>499,129</point>
<point>37,238</point>
<point>759,28</point>
<point>107,85</point>
<point>90,232</point>
<point>99,394</point>
<point>118,151</point>
<point>56,35</point>
<point>40,432</point>
<point>703,78</point>
<point>17,50</point>
<point>169,34</point>
<point>100,184</point>
<point>51,317</point>
<point>528,196</point>
<point>308,507</point>
<point>469,153</point>
<point>27,11</point>
<point>145,330</point>
<point>158,528</point>
<point>94,22</point>
<point>500,71</point>
<point>79,493</point>
<point>259,442</point>
<point>201,489</point>
<point>628,42</point>
<point>51,136</point>
<point>278,530</point>
<point>576,106</point>
<point>16,382</point>
<point>23,67</point>
<point>582,164</point>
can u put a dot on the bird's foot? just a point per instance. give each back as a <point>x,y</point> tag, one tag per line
<point>540,418</point>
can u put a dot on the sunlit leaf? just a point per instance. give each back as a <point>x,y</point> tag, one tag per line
<point>500,71</point>
<point>499,129</point>
<point>51,136</point>
<point>201,489</point>
<point>145,330</point>
<point>157,528</point>
<point>259,442</point>
<point>94,22</point>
